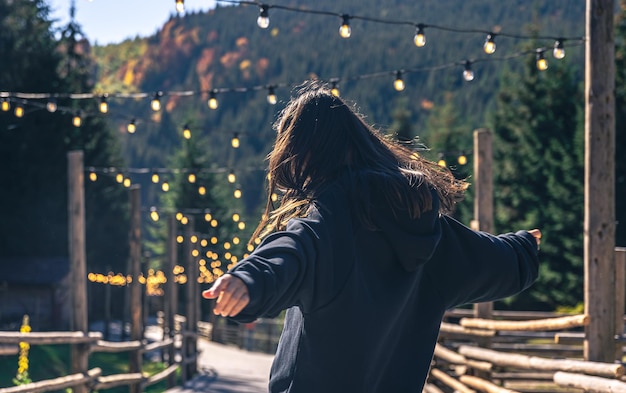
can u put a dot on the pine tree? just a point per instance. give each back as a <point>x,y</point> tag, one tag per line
<point>538,175</point>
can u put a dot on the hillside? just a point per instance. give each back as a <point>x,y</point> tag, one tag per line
<point>224,49</point>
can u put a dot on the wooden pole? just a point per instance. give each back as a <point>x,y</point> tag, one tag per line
<point>620,298</point>
<point>136,328</point>
<point>171,293</point>
<point>483,197</point>
<point>192,296</point>
<point>76,211</point>
<point>599,223</point>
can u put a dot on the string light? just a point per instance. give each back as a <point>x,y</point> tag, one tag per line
<point>191,178</point>
<point>165,186</point>
<point>263,21</point>
<point>236,217</point>
<point>104,105</point>
<point>420,38</point>
<point>77,120</point>
<point>19,111</point>
<point>231,177</point>
<point>155,104</point>
<point>441,162</point>
<point>235,141</point>
<point>202,190</point>
<point>542,63</point>
<point>398,83</point>
<point>468,74</point>
<point>119,178</point>
<point>271,95</point>
<point>154,214</point>
<point>132,127</point>
<point>344,30</point>
<point>490,44</point>
<point>241,225</point>
<point>462,160</point>
<point>5,105</point>
<point>180,6</point>
<point>558,52</point>
<point>237,193</point>
<point>93,176</point>
<point>155,177</point>
<point>334,90</point>
<point>186,132</point>
<point>212,103</point>
<point>127,182</point>
<point>51,106</point>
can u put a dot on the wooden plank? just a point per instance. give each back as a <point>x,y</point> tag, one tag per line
<point>449,381</point>
<point>544,364</point>
<point>78,264</point>
<point>589,383</point>
<point>460,330</point>
<point>483,197</point>
<point>114,346</point>
<point>483,385</point>
<point>599,220</point>
<point>539,324</point>
<point>171,370</point>
<point>45,338</point>
<point>111,381</point>
<point>68,381</point>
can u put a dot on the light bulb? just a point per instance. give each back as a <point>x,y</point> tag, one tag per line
<point>127,182</point>
<point>191,178</point>
<point>468,74</point>
<point>271,96</point>
<point>132,127</point>
<point>154,214</point>
<point>263,20</point>
<point>542,63</point>
<point>51,106</point>
<point>212,100</point>
<point>180,6</point>
<point>235,217</point>
<point>155,104</point>
<point>334,90</point>
<point>208,217</point>
<point>155,177</point>
<point>398,83</point>
<point>186,132</point>
<point>237,193</point>
<point>5,105</point>
<point>490,44</point>
<point>165,186</point>
<point>119,178</point>
<point>77,121</point>
<point>241,225</point>
<point>93,176</point>
<point>202,190</point>
<point>231,177</point>
<point>462,160</point>
<point>344,30</point>
<point>19,112</point>
<point>104,105</point>
<point>558,52</point>
<point>441,163</point>
<point>235,141</point>
<point>420,38</point>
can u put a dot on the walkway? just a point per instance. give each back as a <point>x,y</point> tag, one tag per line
<point>228,369</point>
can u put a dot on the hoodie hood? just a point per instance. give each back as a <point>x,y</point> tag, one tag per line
<point>413,240</point>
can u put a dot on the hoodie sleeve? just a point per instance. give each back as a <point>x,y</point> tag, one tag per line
<point>471,266</point>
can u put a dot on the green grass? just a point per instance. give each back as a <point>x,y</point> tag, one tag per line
<point>52,361</point>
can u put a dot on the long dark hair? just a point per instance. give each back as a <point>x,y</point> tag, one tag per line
<point>320,137</point>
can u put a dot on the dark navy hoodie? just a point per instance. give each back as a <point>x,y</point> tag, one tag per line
<point>364,306</point>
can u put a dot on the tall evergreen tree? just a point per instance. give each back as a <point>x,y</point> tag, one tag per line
<point>34,147</point>
<point>538,155</point>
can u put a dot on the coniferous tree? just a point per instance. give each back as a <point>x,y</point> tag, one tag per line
<point>538,175</point>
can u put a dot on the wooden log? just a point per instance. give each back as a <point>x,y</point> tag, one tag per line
<point>430,388</point>
<point>111,381</point>
<point>45,338</point>
<point>136,320</point>
<point>538,324</point>
<point>161,375</point>
<point>483,385</point>
<point>526,376</point>
<point>158,345</point>
<point>455,358</point>
<point>113,346</point>
<point>506,314</point>
<point>536,363</point>
<point>620,297</point>
<point>456,329</point>
<point>6,350</point>
<point>589,383</point>
<point>68,381</point>
<point>449,381</point>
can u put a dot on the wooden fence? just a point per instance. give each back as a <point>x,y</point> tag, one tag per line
<point>92,379</point>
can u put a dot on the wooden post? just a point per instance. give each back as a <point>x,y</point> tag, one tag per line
<point>192,297</point>
<point>76,211</point>
<point>136,329</point>
<point>620,297</point>
<point>599,223</point>
<point>483,198</point>
<point>171,293</point>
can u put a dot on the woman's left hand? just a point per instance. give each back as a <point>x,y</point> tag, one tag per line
<point>231,293</point>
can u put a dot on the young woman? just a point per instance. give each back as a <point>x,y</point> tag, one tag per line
<point>362,255</point>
